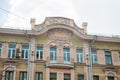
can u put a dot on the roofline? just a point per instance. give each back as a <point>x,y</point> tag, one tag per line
<point>36,33</point>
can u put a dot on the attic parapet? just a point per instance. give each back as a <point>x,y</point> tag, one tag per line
<point>32,22</point>
<point>60,20</point>
<point>84,25</point>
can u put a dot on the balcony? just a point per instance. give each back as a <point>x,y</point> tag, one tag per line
<point>60,62</point>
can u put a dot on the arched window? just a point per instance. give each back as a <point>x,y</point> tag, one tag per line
<point>110,75</point>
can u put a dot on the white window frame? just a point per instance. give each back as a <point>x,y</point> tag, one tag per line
<point>54,55</point>
<point>25,50</point>
<point>93,58</point>
<point>66,53</point>
<point>1,50</point>
<point>11,52</point>
<point>39,53</point>
<point>79,55</point>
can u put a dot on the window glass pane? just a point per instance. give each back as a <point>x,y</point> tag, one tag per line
<point>9,75</point>
<point>12,46</point>
<point>39,52</point>
<point>0,49</point>
<point>22,55</point>
<point>80,77</point>
<point>39,48</point>
<point>66,49</point>
<point>67,77</point>
<point>0,52</point>
<point>66,52</point>
<point>79,55</point>
<point>0,45</point>
<point>79,51</point>
<point>9,53</point>
<point>52,49</point>
<point>37,55</point>
<point>95,77</point>
<point>26,55</point>
<point>110,78</point>
<point>25,49</point>
<point>94,56</point>
<point>23,75</point>
<point>108,57</point>
<point>119,55</point>
<point>39,76</point>
<point>53,76</point>
<point>53,53</point>
<point>13,54</point>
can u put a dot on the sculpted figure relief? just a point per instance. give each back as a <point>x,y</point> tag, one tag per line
<point>59,34</point>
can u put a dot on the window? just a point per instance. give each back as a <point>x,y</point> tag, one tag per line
<point>94,56</point>
<point>80,77</point>
<point>25,50</point>
<point>53,54</point>
<point>9,75</point>
<point>108,57</point>
<point>53,76</point>
<point>23,75</point>
<point>0,49</point>
<point>110,78</point>
<point>39,53</point>
<point>95,77</point>
<point>119,55</point>
<point>67,77</point>
<point>39,76</point>
<point>79,55</point>
<point>66,52</point>
<point>12,51</point>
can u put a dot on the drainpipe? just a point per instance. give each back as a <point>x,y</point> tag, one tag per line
<point>28,38</point>
<point>90,46</point>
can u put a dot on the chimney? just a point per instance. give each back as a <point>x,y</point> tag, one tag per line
<point>32,22</point>
<point>84,25</point>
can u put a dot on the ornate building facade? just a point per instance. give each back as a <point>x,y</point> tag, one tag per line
<point>58,49</point>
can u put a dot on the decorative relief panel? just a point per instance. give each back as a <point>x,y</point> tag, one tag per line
<point>59,20</point>
<point>59,34</point>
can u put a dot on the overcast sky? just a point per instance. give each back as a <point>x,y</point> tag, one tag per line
<point>103,16</point>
